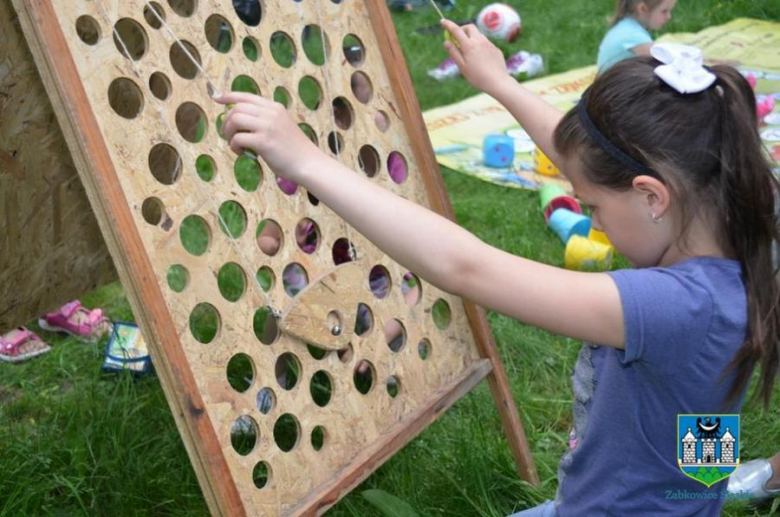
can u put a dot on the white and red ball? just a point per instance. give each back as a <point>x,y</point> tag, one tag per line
<point>499,21</point>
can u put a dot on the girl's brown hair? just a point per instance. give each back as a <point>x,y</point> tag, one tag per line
<point>713,162</point>
<point>624,8</point>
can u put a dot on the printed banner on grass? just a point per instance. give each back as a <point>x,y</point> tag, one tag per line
<point>458,131</point>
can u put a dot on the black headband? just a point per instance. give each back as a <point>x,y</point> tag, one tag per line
<point>608,146</point>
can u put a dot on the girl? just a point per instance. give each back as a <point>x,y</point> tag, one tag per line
<point>629,35</point>
<point>680,186</point>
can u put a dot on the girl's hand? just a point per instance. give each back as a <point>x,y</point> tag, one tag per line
<point>266,128</point>
<point>480,62</point>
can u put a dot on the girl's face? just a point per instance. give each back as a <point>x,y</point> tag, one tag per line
<point>655,19</point>
<point>625,217</point>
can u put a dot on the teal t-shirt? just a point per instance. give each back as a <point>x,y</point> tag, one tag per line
<point>617,44</point>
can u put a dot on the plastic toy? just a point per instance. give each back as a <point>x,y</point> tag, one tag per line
<point>583,254</point>
<point>543,165</point>
<point>498,151</point>
<point>567,223</point>
<point>499,21</point>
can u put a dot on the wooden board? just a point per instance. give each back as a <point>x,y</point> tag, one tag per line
<point>51,249</point>
<point>320,423</point>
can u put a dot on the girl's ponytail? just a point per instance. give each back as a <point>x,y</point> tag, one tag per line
<point>623,8</point>
<point>747,191</point>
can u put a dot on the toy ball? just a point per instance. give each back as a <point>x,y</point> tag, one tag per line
<point>499,21</point>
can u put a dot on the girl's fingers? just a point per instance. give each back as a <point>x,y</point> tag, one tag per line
<point>455,53</point>
<point>241,97</point>
<point>240,122</point>
<point>241,142</point>
<point>471,31</point>
<point>457,32</point>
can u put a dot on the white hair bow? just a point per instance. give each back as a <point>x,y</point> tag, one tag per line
<point>682,67</point>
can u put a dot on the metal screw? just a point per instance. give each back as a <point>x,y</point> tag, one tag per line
<point>336,330</point>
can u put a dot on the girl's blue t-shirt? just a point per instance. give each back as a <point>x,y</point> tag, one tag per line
<point>683,325</point>
<point>618,42</point>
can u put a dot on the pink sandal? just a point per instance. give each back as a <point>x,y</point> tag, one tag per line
<point>78,321</point>
<point>20,345</point>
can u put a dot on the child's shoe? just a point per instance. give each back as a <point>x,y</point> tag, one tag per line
<point>21,344</point>
<point>751,478</point>
<point>446,70</point>
<point>524,65</point>
<point>78,321</point>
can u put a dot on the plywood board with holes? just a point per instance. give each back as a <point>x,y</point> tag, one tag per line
<point>51,249</point>
<point>295,355</point>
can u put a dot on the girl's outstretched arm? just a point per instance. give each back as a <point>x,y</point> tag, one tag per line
<point>482,64</point>
<point>579,305</point>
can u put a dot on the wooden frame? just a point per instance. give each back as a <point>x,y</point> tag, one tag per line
<point>138,262</point>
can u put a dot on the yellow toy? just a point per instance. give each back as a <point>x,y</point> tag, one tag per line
<point>543,165</point>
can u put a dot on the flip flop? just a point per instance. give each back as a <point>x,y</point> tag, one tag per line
<point>20,345</point>
<point>92,325</point>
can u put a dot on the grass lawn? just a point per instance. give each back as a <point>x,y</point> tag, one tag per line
<point>76,441</point>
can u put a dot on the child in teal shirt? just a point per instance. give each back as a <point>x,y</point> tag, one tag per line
<point>629,35</point>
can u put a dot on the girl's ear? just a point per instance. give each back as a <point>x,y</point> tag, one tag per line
<point>641,9</point>
<point>655,194</point>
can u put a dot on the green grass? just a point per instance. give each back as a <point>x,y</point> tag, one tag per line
<point>75,441</point>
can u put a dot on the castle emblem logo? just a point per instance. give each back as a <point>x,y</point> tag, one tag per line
<point>708,446</point>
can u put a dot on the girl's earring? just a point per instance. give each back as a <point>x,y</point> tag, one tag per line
<point>655,218</point>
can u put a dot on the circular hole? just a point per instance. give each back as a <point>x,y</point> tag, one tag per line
<point>88,30</point>
<point>317,353</point>
<point>310,92</point>
<point>243,435</point>
<point>130,38</point>
<point>441,314</point>
<point>178,278</point>
<point>125,98</point>
<point>368,159</point>
<point>288,371</point>
<point>183,8</point>
<point>283,49</point>
<point>240,372</point>
<point>232,219</point>
<point>261,474</point>
<point>206,167</point>
<point>379,281</point>
<point>396,167</point>
<point>282,96</point>
<point>287,186</point>
<point>165,164</point>
<point>269,237</point>
<point>361,87</point>
<point>191,122</point>
<point>321,388</point>
<point>251,49</point>
<point>343,113</point>
<point>382,121</point>
<point>345,354</point>
<point>265,400</point>
<point>160,85</point>
<point>195,235</point>
<point>393,386</point>
<point>294,279</point>
<point>265,326</point>
<point>204,322</point>
<point>363,376</point>
<point>395,335</point>
<point>249,11</point>
<point>307,235</point>
<point>424,349</point>
<point>335,143</point>
<point>354,51</point>
<point>266,278</point>
<point>318,437</point>
<point>315,44</point>
<point>411,288</point>
<point>364,321</point>
<point>182,54</point>
<point>231,281</point>
<point>219,123</point>
<point>286,432</point>
<point>343,251</point>
<point>244,83</point>
<point>309,132</point>
<point>219,33</point>
<point>153,14</point>
<point>152,211</point>
<point>248,173</point>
